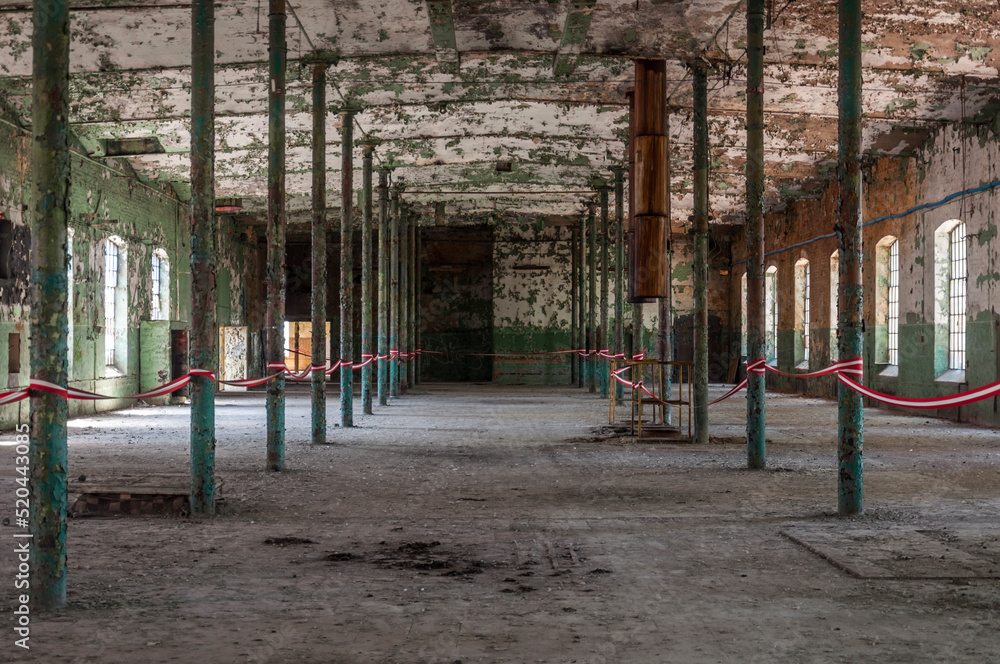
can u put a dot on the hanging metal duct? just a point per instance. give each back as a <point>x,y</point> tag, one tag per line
<point>649,183</point>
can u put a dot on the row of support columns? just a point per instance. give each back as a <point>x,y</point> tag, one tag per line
<point>398,284</point>
<point>645,217</point>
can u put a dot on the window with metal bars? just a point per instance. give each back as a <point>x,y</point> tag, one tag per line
<point>155,287</point>
<point>743,321</point>
<point>110,310</point>
<point>892,322</point>
<point>805,319</point>
<point>771,313</point>
<point>834,305</point>
<point>956,298</point>
<point>802,284</point>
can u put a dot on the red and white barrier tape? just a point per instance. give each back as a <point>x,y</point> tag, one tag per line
<point>634,386</point>
<point>14,396</point>
<point>951,401</point>
<point>739,386</point>
<point>853,366</point>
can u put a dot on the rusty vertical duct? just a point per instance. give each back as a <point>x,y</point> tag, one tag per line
<point>650,277</point>
<point>636,341</point>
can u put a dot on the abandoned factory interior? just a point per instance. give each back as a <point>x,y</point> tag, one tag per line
<point>454,331</point>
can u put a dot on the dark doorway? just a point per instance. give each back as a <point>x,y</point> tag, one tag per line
<point>456,303</point>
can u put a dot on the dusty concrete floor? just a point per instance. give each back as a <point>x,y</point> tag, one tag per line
<point>484,524</point>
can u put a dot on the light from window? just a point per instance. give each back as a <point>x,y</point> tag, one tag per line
<point>805,319</point>
<point>956,299</point>
<point>743,321</point>
<point>771,312</point>
<point>110,284</point>
<point>893,318</point>
<point>834,305</point>
<point>156,287</point>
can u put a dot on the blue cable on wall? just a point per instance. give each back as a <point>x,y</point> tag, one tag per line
<point>925,206</point>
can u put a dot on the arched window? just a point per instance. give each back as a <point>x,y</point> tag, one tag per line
<point>951,273</point>
<point>802,288</point>
<point>887,301</point>
<point>771,314</point>
<point>834,304</point>
<point>160,285</point>
<point>115,306</point>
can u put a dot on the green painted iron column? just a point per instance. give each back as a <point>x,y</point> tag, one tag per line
<point>367,285</point>
<point>404,341</point>
<point>394,292</point>
<point>619,345</point>
<point>276,220</point>
<point>756,349</point>
<point>700,219</point>
<point>319,295</point>
<point>347,269</point>
<point>203,353</point>
<point>574,305</point>
<point>591,301</point>
<point>603,330</point>
<point>411,278</point>
<point>850,410</point>
<point>50,169</point>
<point>383,286</point>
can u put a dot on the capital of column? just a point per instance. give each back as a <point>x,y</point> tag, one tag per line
<point>349,109</point>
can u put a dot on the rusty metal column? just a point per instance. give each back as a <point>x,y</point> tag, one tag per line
<point>602,330</point>
<point>592,335</point>
<point>347,269</point>
<point>756,450</point>
<point>850,409</point>
<point>203,353</point>
<point>619,345</point>
<point>649,265</point>
<point>50,166</point>
<point>367,338</point>
<point>411,278</point>
<point>700,220</point>
<point>275,316</point>
<point>573,305</point>
<point>404,341</point>
<point>394,292</point>
<point>383,286</point>
<point>318,294</point>
<point>637,323</point>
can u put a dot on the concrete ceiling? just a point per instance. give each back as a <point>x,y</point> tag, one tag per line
<point>453,86</point>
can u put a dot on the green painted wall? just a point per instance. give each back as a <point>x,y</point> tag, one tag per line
<point>106,199</point>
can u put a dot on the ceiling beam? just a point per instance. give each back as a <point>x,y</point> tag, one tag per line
<point>443,32</point>
<point>574,35</point>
